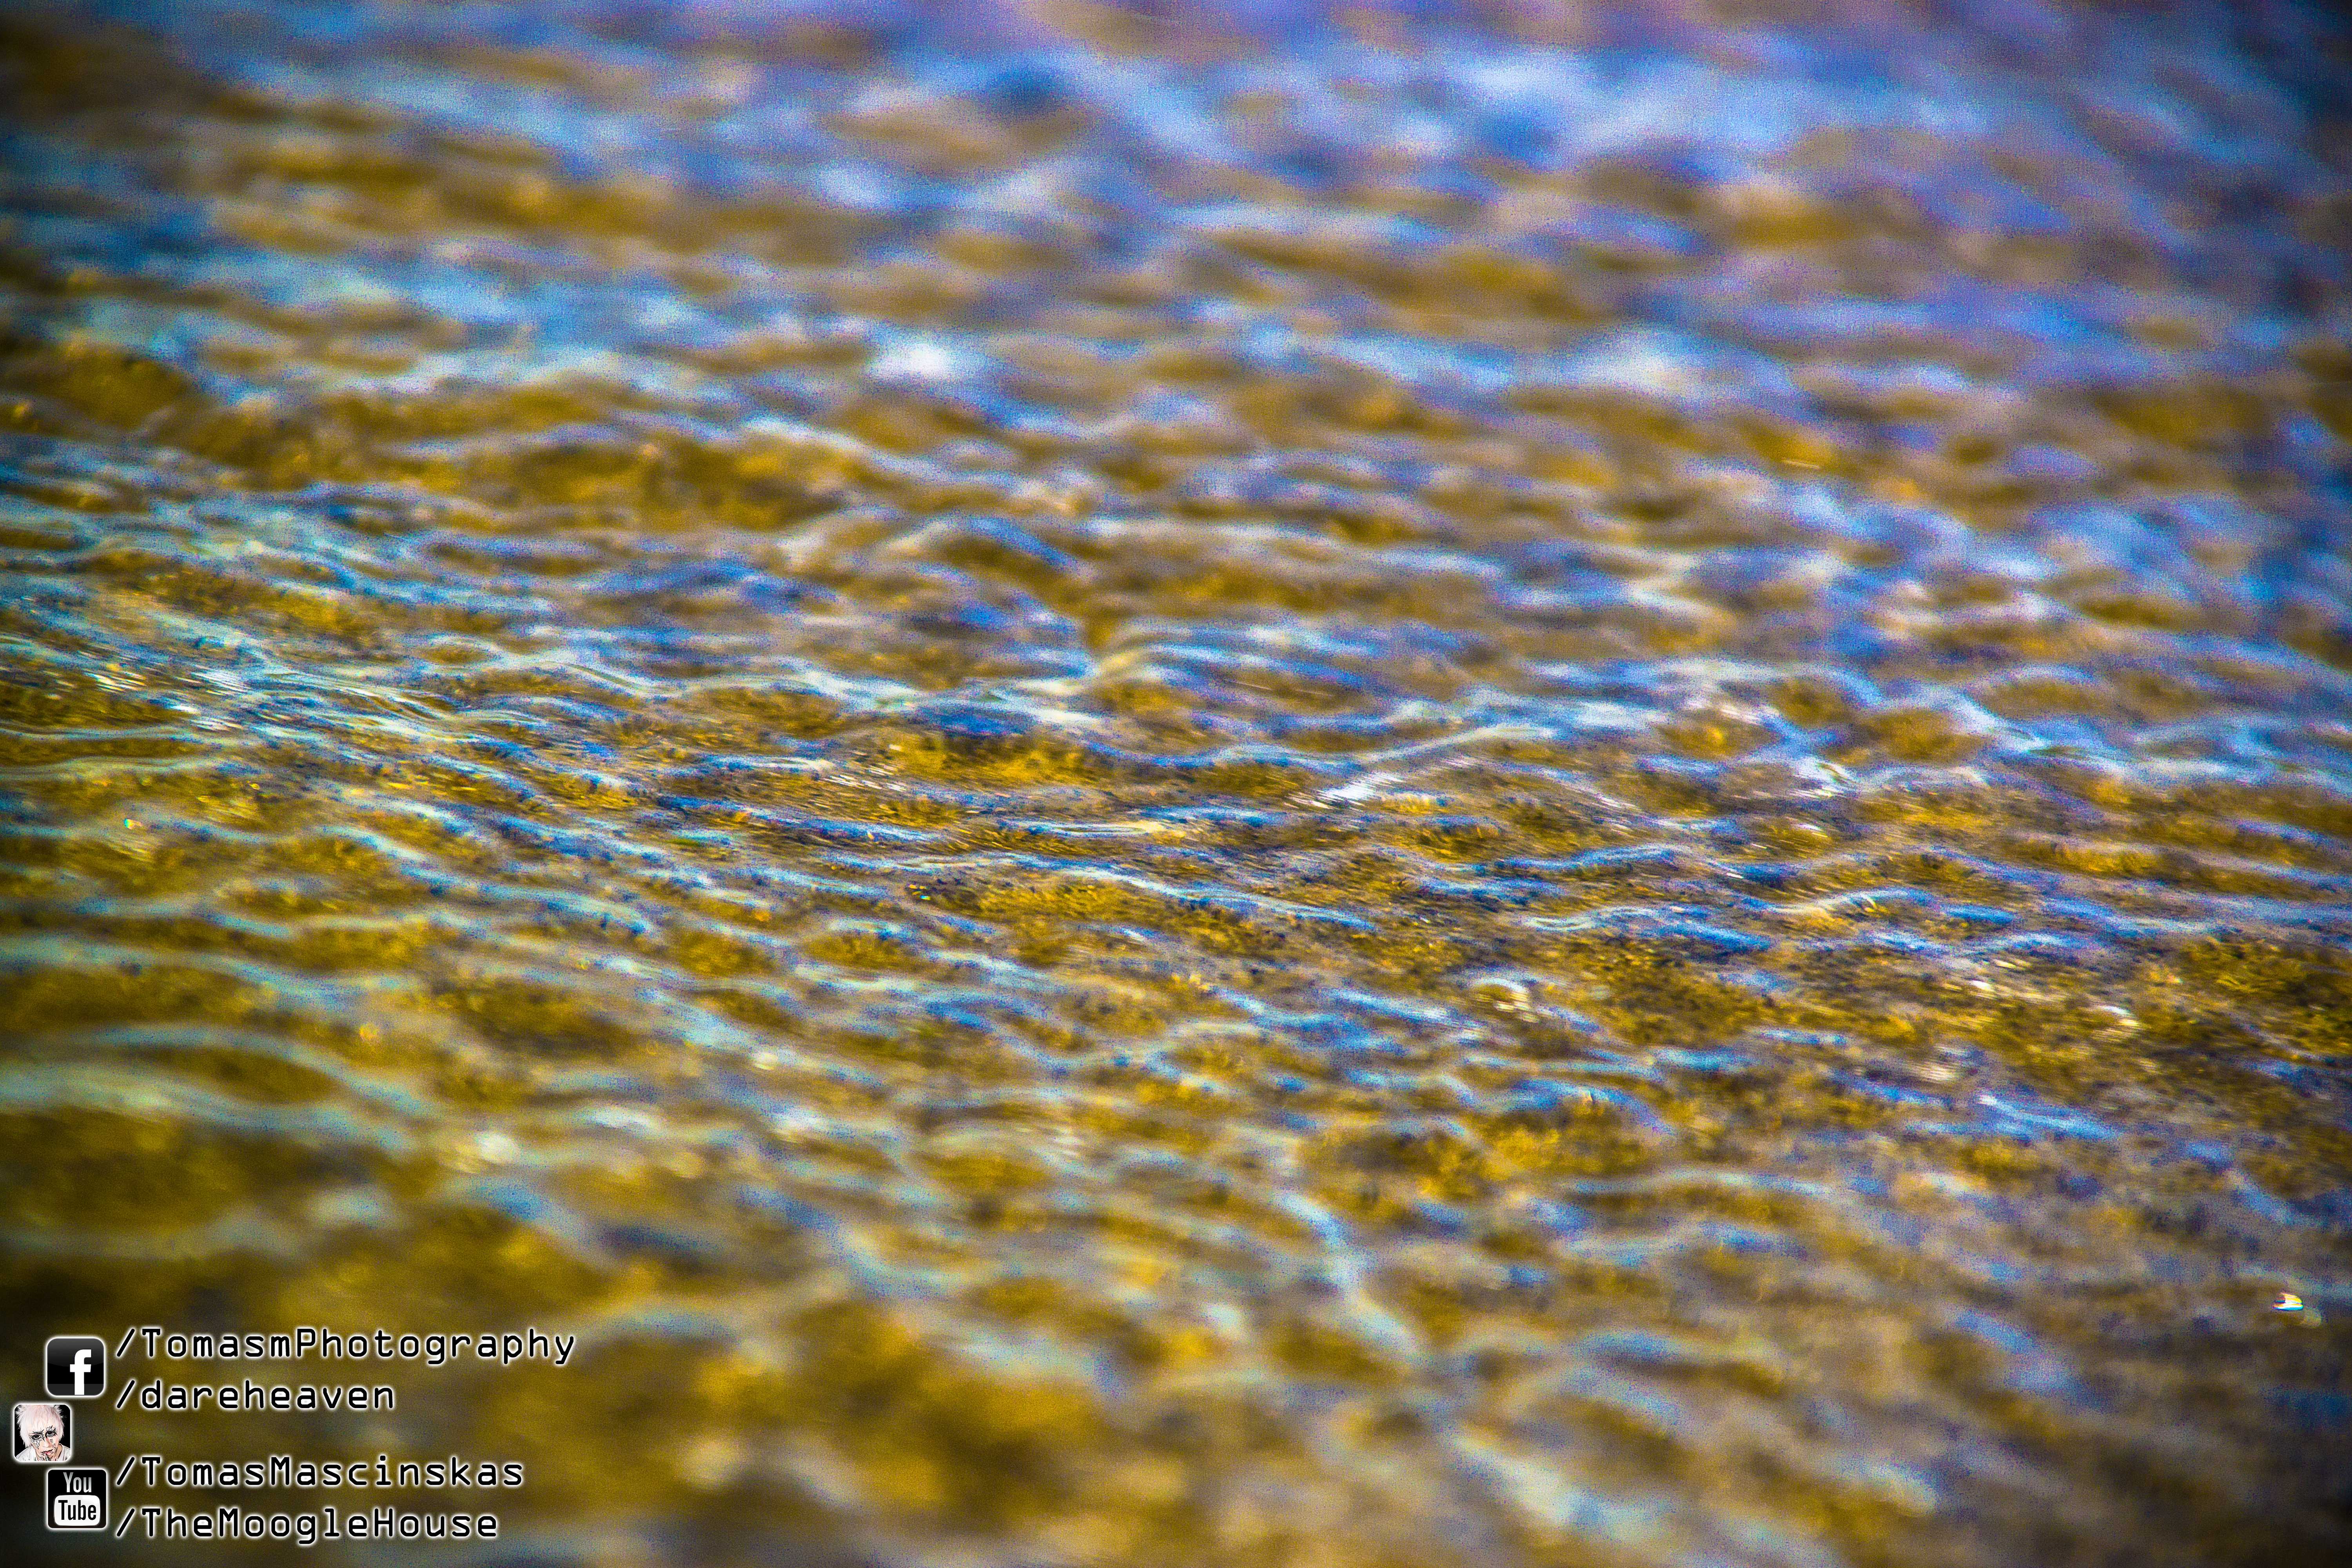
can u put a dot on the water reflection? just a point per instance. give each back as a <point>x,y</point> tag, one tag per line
<point>1146,787</point>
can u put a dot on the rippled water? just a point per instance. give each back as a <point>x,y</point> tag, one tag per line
<point>1386,789</point>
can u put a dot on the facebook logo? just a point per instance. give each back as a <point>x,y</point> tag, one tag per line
<point>76,1365</point>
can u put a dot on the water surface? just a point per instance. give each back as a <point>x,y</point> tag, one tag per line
<point>1403,789</point>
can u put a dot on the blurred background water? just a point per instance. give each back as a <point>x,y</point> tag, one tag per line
<point>1270,785</point>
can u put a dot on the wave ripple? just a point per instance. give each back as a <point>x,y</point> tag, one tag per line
<point>1140,788</point>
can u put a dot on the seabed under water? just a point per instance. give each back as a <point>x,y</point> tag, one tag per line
<point>1193,787</point>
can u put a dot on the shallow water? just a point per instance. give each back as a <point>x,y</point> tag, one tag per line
<point>1545,791</point>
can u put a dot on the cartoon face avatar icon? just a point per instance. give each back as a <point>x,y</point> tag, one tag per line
<point>43,1433</point>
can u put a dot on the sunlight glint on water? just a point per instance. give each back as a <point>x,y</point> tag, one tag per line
<point>1570,790</point>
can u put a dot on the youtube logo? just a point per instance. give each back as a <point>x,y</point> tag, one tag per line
<point>76,1498</point>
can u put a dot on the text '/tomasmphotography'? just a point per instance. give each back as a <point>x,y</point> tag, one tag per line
<point>372,1346</point>
<point>437,1349</point>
